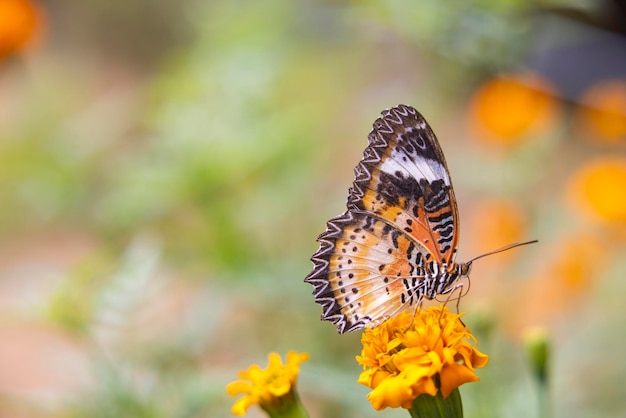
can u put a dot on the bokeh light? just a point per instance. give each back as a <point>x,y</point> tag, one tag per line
<point>506,109</point>
<point>602,112</point>
<point>20,22</point>
<point>595,190</point>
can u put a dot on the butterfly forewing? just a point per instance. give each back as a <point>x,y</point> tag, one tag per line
<point>403,179</point>
<point>401,216</point>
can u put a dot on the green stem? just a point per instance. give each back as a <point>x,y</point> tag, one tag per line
<point>287,406</point>
<point>543,399</point>
<point>426,406</point>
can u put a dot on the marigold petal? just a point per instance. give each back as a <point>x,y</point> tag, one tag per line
<point>274,361</point>
<point>453,376</point>
<point>410,357</point>
<point>392,392</point>
<point>279,386</point>
<point>425,386</point>
<point>294,358</point>
<point>416,373</point>
<point>253,373</point>
<point>430,338</point>
<point>366,377</point>
<point>479,359</point>
<point>377,377</point>
<point>448,356</point>
<point>238,387</point>
<point>240,407</point>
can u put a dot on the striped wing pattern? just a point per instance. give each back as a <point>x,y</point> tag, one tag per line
<point>396,243</point>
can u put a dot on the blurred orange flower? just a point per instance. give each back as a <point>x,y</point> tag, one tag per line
<point>597,190</point>
<point>505,108</point>
<point>603,111</point>
<point>579,259</point>
<point>20,20</point>
<point>573,264</point>
<point>495,222</point>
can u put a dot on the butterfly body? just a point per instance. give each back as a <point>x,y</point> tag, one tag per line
<point>395,245</point>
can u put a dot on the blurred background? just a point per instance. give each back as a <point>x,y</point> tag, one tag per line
<point>165,168</point>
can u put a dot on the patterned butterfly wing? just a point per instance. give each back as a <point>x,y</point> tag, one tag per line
<point>403,178</point>
<point>401,218</point>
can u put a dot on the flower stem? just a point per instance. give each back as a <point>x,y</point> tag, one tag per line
<point>289,407</point>
<point>544,399</point>
<point>426,406</point>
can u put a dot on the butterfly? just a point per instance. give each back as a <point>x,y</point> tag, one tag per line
<point>396,243</point>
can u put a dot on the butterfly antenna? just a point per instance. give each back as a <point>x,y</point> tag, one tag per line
<point>508,247</point>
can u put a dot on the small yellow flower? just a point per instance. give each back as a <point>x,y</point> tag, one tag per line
<point>407,356</point>
<point>272,388</point>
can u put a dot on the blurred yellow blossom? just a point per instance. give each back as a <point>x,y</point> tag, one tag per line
<point>505,108</point>
<point>273,388</point>
<point>408,356</point>
<point>597,190</point>
<point>20,20</point>
<point>603,111</point>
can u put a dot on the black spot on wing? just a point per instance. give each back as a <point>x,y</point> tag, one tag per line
<point>420,142</point>
<point>391,188</point>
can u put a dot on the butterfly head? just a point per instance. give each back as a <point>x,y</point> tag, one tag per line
<point>463,269</point>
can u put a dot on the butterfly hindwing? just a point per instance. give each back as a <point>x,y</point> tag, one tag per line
<point>366,271</point>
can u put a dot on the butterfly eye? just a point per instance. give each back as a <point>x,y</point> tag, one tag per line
<point>465,268</point>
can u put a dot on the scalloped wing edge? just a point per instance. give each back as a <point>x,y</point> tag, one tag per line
<point>324,295</point>
<point>377,146</point>
<point>318,278</point>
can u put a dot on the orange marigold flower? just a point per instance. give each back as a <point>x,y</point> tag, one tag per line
<point>505,108</point>
<point>596,190</point>
<point>603,111</point>
<point>19,22</point>
<point>409,355</point>
<point>273,388</point>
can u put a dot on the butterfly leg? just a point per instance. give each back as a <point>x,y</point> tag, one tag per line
<point>452,290</point>
<point>418,306</point>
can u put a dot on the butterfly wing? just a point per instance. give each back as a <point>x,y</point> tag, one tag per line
<point>401,214</point>
<point>403,179</point>
<point>365,271</point>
